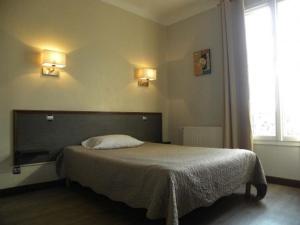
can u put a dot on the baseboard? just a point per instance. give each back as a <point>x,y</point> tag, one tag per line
<point>283,181</point>
<point>31,187</point>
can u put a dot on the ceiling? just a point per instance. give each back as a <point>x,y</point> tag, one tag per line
<point>165,12</point>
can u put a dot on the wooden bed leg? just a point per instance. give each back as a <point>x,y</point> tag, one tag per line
<point>261,190</point>
<point>248,190</point>
<point>68,183</point>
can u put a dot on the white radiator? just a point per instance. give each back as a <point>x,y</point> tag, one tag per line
<point>203,136</point>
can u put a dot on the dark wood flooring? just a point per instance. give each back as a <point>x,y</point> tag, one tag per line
<point>81,206</point>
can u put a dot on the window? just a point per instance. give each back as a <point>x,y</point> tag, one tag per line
<point>273,45</point>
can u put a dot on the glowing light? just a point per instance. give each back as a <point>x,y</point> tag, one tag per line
<point>53,58</point>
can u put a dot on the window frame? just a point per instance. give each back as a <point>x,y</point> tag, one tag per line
<point>278,139</point>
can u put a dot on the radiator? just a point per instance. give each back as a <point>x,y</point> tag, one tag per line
<point>203,136</point>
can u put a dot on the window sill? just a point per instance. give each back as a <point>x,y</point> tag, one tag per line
<point>276,143</point>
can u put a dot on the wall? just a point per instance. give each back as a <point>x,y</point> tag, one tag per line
<point>103,44</point>
<point>194,101</point>
<point>280,161</point>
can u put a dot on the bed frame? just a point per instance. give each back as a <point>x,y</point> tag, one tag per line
<point>38,136</point>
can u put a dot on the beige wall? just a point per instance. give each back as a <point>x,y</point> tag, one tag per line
<point>279,160</point>
<point>194,101</point>
<point>103,44</point>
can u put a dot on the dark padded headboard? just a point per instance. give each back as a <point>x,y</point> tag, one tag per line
<point>40,135</point>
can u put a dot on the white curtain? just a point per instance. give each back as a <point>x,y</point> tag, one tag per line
<point>237,126</point>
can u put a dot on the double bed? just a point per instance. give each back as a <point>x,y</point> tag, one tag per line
<point>169,181</point>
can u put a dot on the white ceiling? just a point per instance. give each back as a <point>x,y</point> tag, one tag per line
<point>165,12</point>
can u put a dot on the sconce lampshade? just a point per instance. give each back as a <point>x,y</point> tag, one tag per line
<point>145,73</point>
<point>53,58</point>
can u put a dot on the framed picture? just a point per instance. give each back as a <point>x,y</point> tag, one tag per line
<point>202,62</point>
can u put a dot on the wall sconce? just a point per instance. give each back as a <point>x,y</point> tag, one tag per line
<point>52,61</point>
<point>144,75</point>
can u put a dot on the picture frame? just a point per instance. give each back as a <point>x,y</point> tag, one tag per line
<point>202,62</point>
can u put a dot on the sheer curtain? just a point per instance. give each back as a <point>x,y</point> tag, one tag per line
<point>237,126</point>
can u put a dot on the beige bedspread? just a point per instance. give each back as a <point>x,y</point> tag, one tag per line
<point>167,180</point>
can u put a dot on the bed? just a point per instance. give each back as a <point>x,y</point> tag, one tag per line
<point>169,181</point>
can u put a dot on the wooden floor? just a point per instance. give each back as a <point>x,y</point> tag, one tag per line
<point>81,206</point>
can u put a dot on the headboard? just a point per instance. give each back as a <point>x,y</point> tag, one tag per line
<point>40,135</point>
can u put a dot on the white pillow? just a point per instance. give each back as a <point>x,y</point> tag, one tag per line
<point>111,142</point>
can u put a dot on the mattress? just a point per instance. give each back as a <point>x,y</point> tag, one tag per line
<point>169,181</point>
